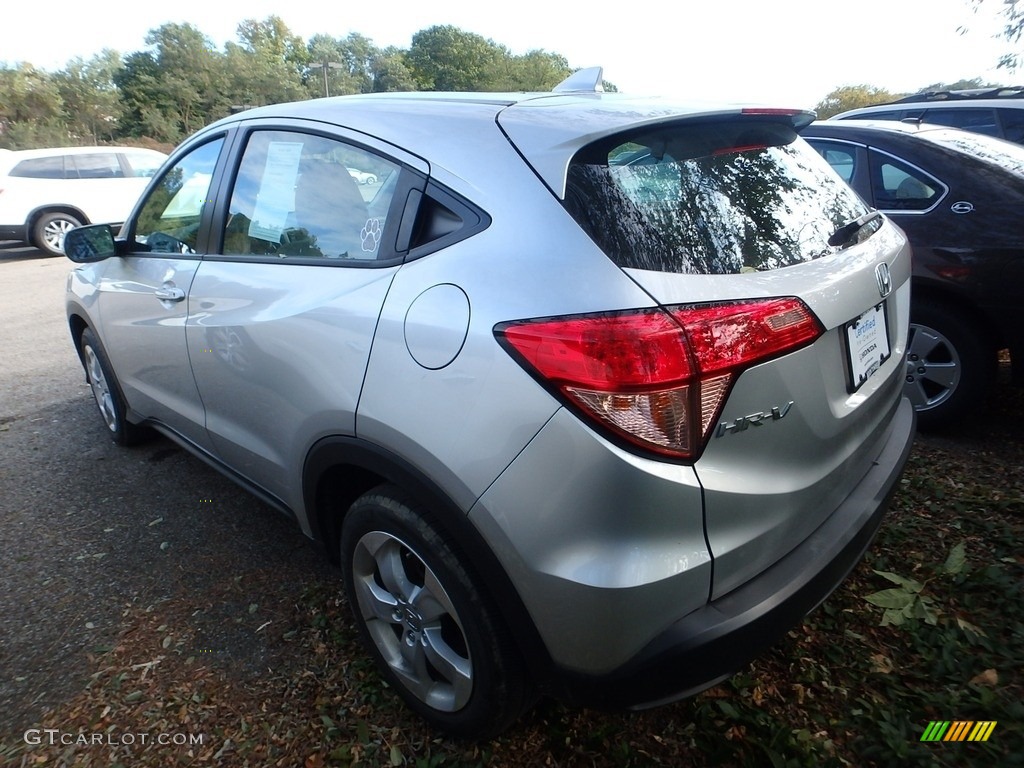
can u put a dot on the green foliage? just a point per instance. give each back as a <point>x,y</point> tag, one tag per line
<point>181,82</point>
<point>391,72</point>
<point>534,71</point>
<point>175,88</point>
<point>31,109</point>
<point>847,97</point>
<point>1012,12</point>
<point>959,85</point>
<point>446,58</point>
<point>906,601</point>
<point>266,67</point>
<point>339,66</point>
<point>91,103</point>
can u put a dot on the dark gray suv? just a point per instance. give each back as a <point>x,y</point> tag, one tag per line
<point>590,396</point>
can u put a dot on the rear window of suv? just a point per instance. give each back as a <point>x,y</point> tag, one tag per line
<point>721,197</point>
<point>40,168</point>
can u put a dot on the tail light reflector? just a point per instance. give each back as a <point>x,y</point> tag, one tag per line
<point>657,378</point>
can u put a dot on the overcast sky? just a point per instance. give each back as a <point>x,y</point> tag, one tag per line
<point>788,52</point>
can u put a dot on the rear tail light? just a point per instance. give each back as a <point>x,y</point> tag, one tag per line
<point>657,378</point>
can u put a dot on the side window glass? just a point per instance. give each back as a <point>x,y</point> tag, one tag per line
<point>899,187</point>
<point>300,195</point>
<point>1013,124</point>
<point>40,168</point>
<point>878,116</point>
<point>977,120</point>
<point>168,221</point>
<point>96,166</point>
<point>143,163</point>
<point>841,157</point>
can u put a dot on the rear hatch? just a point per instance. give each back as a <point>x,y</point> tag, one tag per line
<point>793,296</point>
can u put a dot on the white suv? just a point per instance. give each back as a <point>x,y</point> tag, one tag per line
<point>46,192</point>
<point>996,112</point>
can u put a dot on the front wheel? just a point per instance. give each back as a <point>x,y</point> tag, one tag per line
<point>432,632</point>
<point>107,394</point>
<point>950,365</point>
<point>49,230</point>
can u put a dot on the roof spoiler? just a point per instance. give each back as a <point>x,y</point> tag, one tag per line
<point>588,80</point>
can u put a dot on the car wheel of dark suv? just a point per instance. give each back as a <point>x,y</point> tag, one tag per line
<point>431,631</point>
<point>950,365</point>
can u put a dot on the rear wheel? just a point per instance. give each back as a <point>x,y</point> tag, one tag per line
<point>49,230</point>
<point>107,394</point>
<point>950,365</point>
<point>432,632</point>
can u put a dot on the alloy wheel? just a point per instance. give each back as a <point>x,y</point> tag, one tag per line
<point>933,368</point>
<point>412,621</point>
<point>100,388</point>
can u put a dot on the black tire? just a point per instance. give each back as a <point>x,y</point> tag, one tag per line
<point>445,650</point>
<point>49,230</point>
<point>107,393</point>
<point>951,364</point>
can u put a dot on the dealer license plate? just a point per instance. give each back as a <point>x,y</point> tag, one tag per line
<point>867,345</point>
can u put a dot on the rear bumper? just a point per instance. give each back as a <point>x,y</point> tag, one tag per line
<point>713,642</point>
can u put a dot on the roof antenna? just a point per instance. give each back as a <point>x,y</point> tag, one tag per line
<point>588,80</point>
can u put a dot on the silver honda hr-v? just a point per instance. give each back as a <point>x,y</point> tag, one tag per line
<point>591,396</point>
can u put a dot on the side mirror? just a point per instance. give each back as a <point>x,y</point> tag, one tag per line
<point>84,245</point>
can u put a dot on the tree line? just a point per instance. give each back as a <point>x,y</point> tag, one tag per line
<point>181,81</point>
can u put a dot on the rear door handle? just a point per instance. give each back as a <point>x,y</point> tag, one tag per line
<point>169,293</point>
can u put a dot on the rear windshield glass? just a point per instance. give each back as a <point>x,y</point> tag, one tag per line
<point>722,197</point>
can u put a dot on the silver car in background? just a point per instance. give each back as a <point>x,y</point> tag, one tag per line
<point>591,396</point>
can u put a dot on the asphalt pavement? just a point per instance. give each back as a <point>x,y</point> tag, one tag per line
<point>89,531</point>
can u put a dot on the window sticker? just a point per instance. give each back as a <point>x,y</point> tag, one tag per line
<point>370,235</point>
<point>276,198</point>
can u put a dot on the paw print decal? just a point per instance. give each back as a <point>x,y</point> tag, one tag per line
<point>370,234</point>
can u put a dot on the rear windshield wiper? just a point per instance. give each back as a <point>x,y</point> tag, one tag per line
<point>845,233</point>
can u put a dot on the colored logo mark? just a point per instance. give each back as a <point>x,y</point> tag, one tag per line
<point>958,730</point>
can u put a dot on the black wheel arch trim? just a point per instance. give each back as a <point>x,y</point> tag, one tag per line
<point>962,302</point>
<point>42,210</point>
<point>369,465</point>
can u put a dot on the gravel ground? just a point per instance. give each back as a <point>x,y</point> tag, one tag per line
<point>89,531</point>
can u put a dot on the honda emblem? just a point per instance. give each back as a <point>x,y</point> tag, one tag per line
<point>884,279</point>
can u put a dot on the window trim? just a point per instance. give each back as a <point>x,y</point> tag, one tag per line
<point>202,236</point>
<point>408,180</point>
<point>903,211</point>
<point>475,219</point>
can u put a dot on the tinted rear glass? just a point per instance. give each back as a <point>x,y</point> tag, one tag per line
<point>720,197</point>
<point>1013,124</point>
<point>40,168</point>
<point>977,120</point>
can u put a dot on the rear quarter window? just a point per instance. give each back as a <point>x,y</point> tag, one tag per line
<point>718,197</point>
<point>40,168</point>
